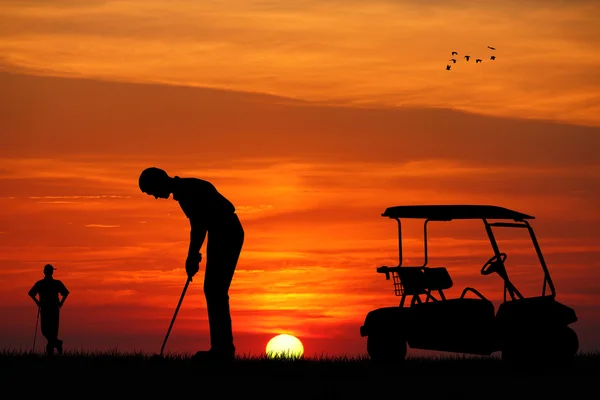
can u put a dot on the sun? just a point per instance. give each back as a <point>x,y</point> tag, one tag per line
<point>285,346</point>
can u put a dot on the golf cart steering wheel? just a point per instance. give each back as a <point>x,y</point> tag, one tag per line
<point>490,266</point>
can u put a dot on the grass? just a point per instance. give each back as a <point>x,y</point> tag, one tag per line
<point>81,373</point>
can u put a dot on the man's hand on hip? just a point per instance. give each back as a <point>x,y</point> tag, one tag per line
<point>192,264</point>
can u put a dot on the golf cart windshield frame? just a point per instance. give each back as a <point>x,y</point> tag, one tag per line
<point>445,213</point>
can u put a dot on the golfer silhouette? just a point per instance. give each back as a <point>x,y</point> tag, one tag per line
<point>49,306</point>
<point>209,213</point>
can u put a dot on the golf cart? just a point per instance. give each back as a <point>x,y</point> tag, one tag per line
<point>533,328</point>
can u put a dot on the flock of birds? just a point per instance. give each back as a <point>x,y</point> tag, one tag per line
<point>467,57</point>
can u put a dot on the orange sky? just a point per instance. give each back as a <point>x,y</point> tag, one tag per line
<point>312,118</point>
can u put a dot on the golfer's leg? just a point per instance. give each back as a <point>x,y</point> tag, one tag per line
<point>53,317</point>
<point>222,255</point>
<point>217,279</point>
<point>47,330</point>
<point>57,341</point>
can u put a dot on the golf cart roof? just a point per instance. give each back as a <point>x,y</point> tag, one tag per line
<point>449,212</point>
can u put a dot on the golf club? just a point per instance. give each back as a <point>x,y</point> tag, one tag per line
<point>36,329</point>
<point>175,315</point>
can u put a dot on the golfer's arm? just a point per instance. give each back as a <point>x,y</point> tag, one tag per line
<point>32,294</point>
<point>64,298</point>
<point>197,236</point>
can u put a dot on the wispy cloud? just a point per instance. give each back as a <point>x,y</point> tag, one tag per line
<point>101,226</point>
<point>253,209</point>
<point>384,52</point>
<point>81,197</point>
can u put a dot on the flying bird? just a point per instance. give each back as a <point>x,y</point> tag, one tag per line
<point>491,48</point>
<point>467,57</point>
<point>453,60</point>
<point>453,53</point>
<point>447,67</point>
<point>478,60</point>
<point>492,57</point>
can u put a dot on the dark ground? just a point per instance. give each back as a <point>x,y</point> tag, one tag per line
<point>86,375</point>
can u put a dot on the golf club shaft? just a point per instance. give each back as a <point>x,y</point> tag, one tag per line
<point>175,315</point>
<point>36,329</point>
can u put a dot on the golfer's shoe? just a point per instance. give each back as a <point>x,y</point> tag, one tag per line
<point>59,347</point>
<point>214,356</point>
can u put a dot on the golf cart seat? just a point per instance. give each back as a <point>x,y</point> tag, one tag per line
<point>437,279</point>
<point>423,280</point>
<point>413,280</point>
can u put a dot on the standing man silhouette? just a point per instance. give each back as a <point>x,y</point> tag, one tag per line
<point>209,213</point>
<point>49,305</point>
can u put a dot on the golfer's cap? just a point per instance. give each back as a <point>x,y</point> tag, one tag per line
<point>48,267</point>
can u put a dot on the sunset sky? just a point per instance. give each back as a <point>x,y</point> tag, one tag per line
<point>312,117</point>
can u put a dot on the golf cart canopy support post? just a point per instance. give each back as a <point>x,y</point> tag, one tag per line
<point>426,260</point>
<point>483,212</point>
<point>523,224</point>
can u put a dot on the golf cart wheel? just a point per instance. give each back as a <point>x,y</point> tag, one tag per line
<point>386,349</point>
<point>567,344</point>
<point>555,349</point>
